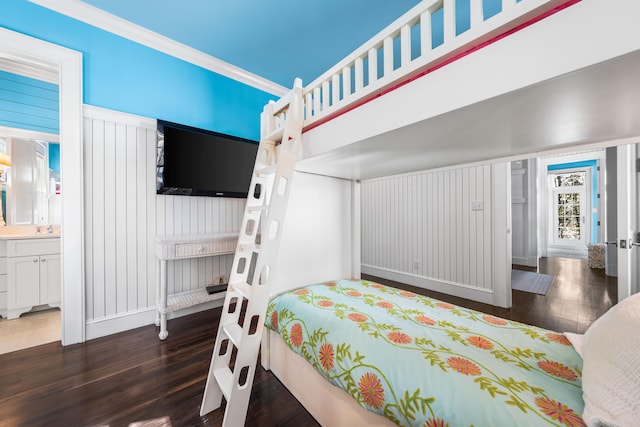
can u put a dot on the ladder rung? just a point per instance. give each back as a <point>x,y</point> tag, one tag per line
<point>234,332</point>
<point>247,247</point>
<point>224,377</point>
<point>254,209</point>
<point>267,170</point>
<point>242,288</point>
<point>276,135</point>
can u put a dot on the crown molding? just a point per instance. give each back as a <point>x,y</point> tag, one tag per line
<point>91,15</point>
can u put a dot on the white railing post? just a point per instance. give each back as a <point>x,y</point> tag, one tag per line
<point>405,45</point>
<point>373,65</point>
<point>359,69</point>
<point>449,13</point>
<point>476,13</point>
<point>387,55</point>
<point>426,44</point>
<point>335,89</point>
<point>346,82</point>
<point>325,95</point>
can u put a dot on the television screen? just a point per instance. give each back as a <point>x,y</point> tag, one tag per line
<point>196,162</point>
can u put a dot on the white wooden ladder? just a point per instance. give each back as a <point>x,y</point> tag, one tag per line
<point>235,353</point>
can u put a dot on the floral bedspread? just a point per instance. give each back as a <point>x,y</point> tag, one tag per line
<point>422,362</point>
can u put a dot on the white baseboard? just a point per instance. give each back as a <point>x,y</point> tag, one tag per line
<point>135,319</point>
<point>526,261</point>
<point>450,288</point>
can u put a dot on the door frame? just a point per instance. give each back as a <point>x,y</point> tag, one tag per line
<point>68,64</point>
<point>586,210</point>
<point>627,183</point>
<point>543,197</point>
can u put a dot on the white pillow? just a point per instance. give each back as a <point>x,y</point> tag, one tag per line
<point>576,341</point>
<point>611,369</point>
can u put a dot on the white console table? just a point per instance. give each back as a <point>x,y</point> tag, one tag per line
<point>182,247</point>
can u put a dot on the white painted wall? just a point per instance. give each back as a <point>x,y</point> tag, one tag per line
<point>123,215</point>
<point>316,243</point>
<point>422,229</point>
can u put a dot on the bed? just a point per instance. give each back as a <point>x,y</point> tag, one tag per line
<point>356,352</point>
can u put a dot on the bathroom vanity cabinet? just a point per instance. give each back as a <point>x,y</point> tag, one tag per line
<point>29,274</point>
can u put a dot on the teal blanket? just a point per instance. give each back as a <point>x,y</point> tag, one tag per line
<point>422,362</point>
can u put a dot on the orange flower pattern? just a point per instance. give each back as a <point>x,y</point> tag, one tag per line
<point>327,356</point>
<point>559,338</point>
<point>480,342</point>
<point>325,303</point>
<point>296,335</point>
<point>557,369</point>
<point>425,320</point>
<point>399,337</point>
<point>357,317</point>
<point>494,320</point>
<point>559,412</point>
<point>445,305</point>
<point>371,390</point>
<point>463,366</point>
<point>505,366</point>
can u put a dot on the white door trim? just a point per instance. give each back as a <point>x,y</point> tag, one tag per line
<point>585,208</point>
<point>627,182</point>
<point>68,64</point>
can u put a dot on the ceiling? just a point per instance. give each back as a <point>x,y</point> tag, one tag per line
<point>276,40</point>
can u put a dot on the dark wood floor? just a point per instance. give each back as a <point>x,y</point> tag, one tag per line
<point>132,376</point>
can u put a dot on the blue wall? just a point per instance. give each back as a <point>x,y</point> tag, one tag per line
<point>124,76</point>
<point>27,103</point>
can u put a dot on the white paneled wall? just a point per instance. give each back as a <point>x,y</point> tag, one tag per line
<point>435,229</point>
<point>123,215</point>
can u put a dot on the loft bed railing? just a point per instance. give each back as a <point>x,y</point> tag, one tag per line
<point>427,37</point>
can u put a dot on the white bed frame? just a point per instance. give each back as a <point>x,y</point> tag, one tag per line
<point>328,404</point>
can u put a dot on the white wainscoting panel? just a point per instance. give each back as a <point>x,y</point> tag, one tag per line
<point>123,215</point>
<point>434,229</point>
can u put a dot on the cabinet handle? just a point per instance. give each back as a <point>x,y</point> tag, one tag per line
<point>43,259</point>
<point>35,260</point>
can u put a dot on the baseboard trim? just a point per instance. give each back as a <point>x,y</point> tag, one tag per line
<point>135,319</point>
<point>526,261</point>
<point>485,296</point>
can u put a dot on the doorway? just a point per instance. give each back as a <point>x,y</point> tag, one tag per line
<point>569,216</point>
<point>68,64</point>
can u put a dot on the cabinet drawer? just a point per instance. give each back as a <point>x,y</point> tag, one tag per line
<point>3,283</point>
<point>194,250</point>
<point>29,247</point>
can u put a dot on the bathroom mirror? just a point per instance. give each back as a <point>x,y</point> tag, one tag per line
<point>30,181</point>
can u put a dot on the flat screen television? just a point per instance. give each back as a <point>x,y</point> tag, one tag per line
<point>197,162</point>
